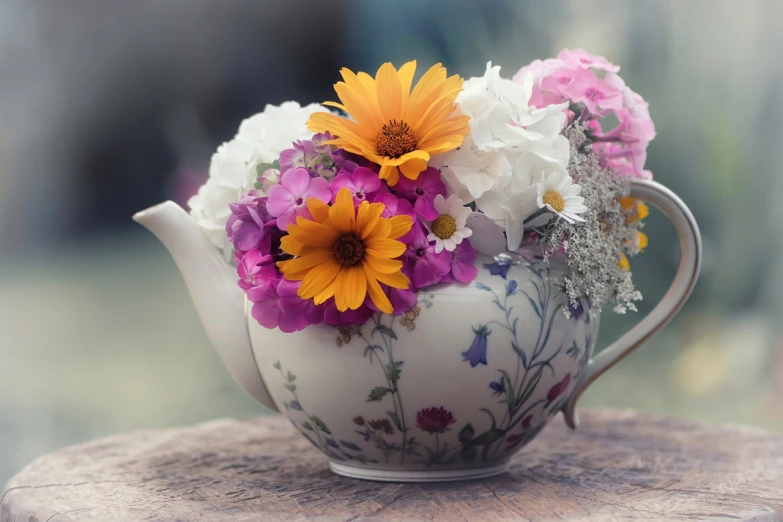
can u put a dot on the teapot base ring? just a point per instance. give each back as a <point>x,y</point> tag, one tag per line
<point>435,475</point>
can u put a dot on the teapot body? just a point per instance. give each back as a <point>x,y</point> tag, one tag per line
<point>449,390</point>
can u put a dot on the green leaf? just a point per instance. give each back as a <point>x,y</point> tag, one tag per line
<point>395,419</point>
<point>263,167</point>
<point>320,424</point>
<point>488,437</point>
<point>468,453</point>
<point>276,364</point>
<point>291,377</point>
<point>369,349</point>
<point>378,393</point>
<point>393,369</point>
<point>466,434</point>
<point>509,388</point>
<point>491,416</point>
<point>530,386</point>
<point>533,304</point>
<point>306,425</point>
<point>290,387</point>
<point>385,330</point>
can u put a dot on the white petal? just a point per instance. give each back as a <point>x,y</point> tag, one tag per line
<point>487,236</point>
<point>438,246</point>
<point>440,205</point>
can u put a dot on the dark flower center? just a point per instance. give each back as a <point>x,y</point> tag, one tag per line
<point>348,250</point>
<point>299,200</point>
<point>396,139</point>
<point>420,252</point>
<point>419,191</point>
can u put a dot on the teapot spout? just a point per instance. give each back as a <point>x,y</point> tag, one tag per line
<point>219,301</point>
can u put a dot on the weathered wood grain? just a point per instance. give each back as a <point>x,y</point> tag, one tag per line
<point>617,465</point>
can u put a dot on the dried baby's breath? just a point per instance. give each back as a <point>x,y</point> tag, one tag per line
<point>593,248</point>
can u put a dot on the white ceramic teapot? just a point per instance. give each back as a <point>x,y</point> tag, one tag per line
<point>451,389</point>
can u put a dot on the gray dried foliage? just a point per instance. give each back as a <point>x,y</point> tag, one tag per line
<point>593,248</point>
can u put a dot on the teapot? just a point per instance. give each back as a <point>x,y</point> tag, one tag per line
<point>451,389</point>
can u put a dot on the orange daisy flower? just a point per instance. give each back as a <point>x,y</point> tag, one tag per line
<point>345,253</point>
<point>391,125</point>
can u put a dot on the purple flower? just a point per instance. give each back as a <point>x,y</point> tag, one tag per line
<point>498,268</point>
<point>477,353</point>
<point>401,300</point>
<point>424,267</point>
<point>276,305</point>
<point>576,311</point>
<point>254,269</point>
<point>313,155</point>
<point>462,267</point>
<point>363,184</point>
<point>394,206</point>
<point>334,317</point>
<point>434,420</point>
<point>287,200</point>
<point>422,191</point>
<point>246,226</point>
<point>498,387</point>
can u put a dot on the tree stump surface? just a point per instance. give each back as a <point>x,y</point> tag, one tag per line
<point>618,465</point>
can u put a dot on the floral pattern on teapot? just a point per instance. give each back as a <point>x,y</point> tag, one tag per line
<point>386,433</point>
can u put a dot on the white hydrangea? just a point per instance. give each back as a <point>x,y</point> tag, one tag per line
<point>510,144</point>
<point>232,171</point>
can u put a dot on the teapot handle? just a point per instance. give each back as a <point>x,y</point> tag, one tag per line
<point>684,281</point>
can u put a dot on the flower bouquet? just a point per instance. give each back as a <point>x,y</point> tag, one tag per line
<point>442,226</point>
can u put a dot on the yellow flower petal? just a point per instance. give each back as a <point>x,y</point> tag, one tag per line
<point>355,287</point>
<point>390,174</point>
<point>367,217</point>
<point>383,264</point>
<point>642,240</point>
<point>385,247</point>
<point>342,214</point>
<point>389,92</point>
<point>394,280</point>
<point>400,225</point>
<point>316,281</point>
<point>413,167</point>
<point>318,209</point>
<point>393,124</point>
<point>377,296</point>
<point>302,263</point>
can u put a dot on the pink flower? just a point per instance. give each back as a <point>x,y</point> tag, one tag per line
<point>254,269</point>
<point>394,206</point>
<point>512,441</point>
<point>424,267</point>
<point>363,183</point>
<point>422,191</point>
<point>401,300</point>
<point>581,59</point>
<point>558,389</point>
<point>462,268</point>
<point>334,317</point>
<point>246,226</point>
<point>596,94</point>
<point>276,305</point>
<point>287,200</point>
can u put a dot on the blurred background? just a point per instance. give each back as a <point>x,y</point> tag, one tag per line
<point>109,107</point>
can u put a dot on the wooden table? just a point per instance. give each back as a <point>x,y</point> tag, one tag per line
<point>617,465</point>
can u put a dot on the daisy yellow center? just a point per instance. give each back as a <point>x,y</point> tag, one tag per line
<point>348,250</point>
<point>444,226</point>
<point>554,200</point>
<point>396,139</point>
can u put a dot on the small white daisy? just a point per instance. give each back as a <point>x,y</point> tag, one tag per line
<point>450,227</point>
<point>559,194</point>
